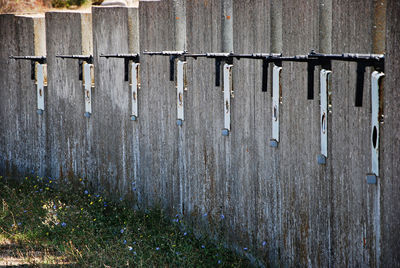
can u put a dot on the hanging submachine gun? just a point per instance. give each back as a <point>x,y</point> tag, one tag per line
<point>39,75</point>
<point>131,75</point>
<point>178,59</point>
<point>86,75</point>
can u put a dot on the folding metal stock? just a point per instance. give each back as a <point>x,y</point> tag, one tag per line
<point>276,100</point>
<point>180,87</point>
<point>228,93</point>
<point>376,118</point>
<point>39,74</point>
<point>132,63</point>
<point>86,76</point>
<point>325,91</point>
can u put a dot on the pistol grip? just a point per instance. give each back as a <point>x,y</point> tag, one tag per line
<point>171,68</point>
<point>359,84</point>
<point>33,70</point>
<point>80,66</point>
<point>264,76</point>
<point>310,81</point>
<point>217,72</point>
<point>126,69</point>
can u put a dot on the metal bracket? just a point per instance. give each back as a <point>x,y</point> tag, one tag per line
<point>325,86</point>
<point>375,118</point>
<point>180,88</point>
<point>41,82</point>
<point>228,93</point>
<point>135,86</point>
<point>276,99</point>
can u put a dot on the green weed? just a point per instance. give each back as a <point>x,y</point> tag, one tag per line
<point>67,3</point>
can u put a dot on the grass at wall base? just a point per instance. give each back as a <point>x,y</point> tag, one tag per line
<point>42,223</point>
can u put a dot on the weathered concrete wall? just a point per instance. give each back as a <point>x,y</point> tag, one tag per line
<point>306,208</point>
<point>352,201</point>
<point>205,179</point>
<point>8,99</point>
<point>303,197</point>
<point>69,133</point>
<point>255,181</point>
<point>115,135</point>
<point>251,127</point>
<point>157,110</point>
<point>307,213</point>
<point>389,196</point>
<point>278,202</point>
<point>23,130</point>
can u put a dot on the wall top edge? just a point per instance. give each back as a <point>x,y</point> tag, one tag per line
<point>114,7</point>
<point>69,11</point>
<point>38,15</point>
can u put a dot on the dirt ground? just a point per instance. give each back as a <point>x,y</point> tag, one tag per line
<point>12,254</point>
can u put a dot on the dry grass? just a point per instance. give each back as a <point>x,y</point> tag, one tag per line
<point>13,253</point>
<point>22,6</point>
<point>41,6</point>
<point>34,6</point>
<point>60,222</point>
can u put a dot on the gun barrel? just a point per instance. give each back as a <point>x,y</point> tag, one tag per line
<point>40,59</point>
<point>87,58</point>
<point>196,55</point>
<point>151,53</point>
<point>165,53</point>
<point>234,55</point>
<point>218,55</point>
<point>364,56</point>
<point>266,55</point>
<point>81,57</point>
<point>297,58</point>
<point>131,56</point>
<point>215,54</point>
<point>270,56</point>
<point>171,53</point>
<point>348,56</point>
<point>259,56</point>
